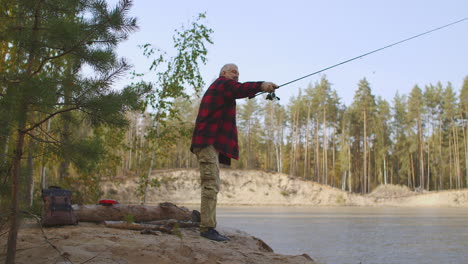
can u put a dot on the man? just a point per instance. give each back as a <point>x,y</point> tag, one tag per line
<point>214,138</point>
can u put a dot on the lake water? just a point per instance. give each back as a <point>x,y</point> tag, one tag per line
<point>353,235</point>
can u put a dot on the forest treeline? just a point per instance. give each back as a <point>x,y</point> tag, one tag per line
<point>418,140</point>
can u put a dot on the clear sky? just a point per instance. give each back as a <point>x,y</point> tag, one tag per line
<point>280,41</point>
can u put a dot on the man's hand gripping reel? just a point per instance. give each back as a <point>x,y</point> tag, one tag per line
<point>272,96</point>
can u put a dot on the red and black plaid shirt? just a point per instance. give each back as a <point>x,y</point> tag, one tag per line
<point>216,120</point>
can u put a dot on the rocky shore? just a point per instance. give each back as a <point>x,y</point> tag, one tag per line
<point>94,243</point>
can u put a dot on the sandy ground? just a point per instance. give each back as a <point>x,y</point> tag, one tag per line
<point>94,243</point>
<point>252,187</point>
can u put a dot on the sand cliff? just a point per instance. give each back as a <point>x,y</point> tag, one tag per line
<point>253,187</point>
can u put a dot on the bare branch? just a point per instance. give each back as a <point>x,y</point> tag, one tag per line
<point>92,258</point>
<point>46,238</point>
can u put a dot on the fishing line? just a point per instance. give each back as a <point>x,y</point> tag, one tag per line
<point>272,96</point>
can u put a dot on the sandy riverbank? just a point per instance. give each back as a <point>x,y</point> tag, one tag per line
<point>253,187</point>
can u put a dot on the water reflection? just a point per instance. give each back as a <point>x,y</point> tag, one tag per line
<point>352,235</point>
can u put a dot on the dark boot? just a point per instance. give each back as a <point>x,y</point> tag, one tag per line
<point>212,234</point>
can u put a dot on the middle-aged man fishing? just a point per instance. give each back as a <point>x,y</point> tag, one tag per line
<point>214,138</point>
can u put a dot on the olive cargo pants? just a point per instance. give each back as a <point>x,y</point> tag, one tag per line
<point>210,184</point>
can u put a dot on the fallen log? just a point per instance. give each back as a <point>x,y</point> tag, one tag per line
<point>173,222</point>
<point>139,213</point>
<point>137,226</point>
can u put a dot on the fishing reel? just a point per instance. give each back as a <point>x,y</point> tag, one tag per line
<point>272,97</point>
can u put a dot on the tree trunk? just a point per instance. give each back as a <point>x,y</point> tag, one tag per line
<point>439,174</point>
<point>457,156</point>
<point>44,168</point>
<point>28,195</point>
<point>343,181</point>
<point>66,132</point>
<point>350,180</point>
<point>317,153</point>
<point>421,154</point>
<point>428,170</point>
<point>325,146</point>
<point>148,177</point>
<point>385,170</point>
<point>450,160</point>
<point>412,172</point>
<point>306,151</point>
<point>333,157</point>
<point>15,207</point>
<point>465,146</point>
<point>280,143</point>
<point>364,188</point>
<point>139,213</point>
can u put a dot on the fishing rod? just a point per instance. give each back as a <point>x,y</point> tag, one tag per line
<point>272,96</point>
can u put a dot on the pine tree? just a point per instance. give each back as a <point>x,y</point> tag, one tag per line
<point>416,110</point>
<point>249,129</point>
<point>450,114</point>
<point>400,148</point>
<point>344,155</point>
<point>464,118</point>
<point>364,106</point>
<point>382,140</point>
<point>433,101</point>
<point>46,41</point>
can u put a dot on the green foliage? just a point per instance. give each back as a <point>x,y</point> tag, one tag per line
<point>340,199</point>
<point>173,74</point>
<point>176,230</point>
<point>144,182</point>
<point>129,218</point>
<point>86,188</point>
<point>167,100</point>
<point>112,193</point>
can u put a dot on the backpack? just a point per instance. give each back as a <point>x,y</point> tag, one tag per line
<point>57,207</point>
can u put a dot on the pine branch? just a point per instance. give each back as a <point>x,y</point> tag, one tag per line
<point>122,8</point>
<point>91,114</point>
<point>107,80</point>
<point>49,117</point>
<point>46,59</point>
<point>48,134</point>
<point>41,140</point>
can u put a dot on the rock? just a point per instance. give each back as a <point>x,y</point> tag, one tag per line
<point>94,243</point>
